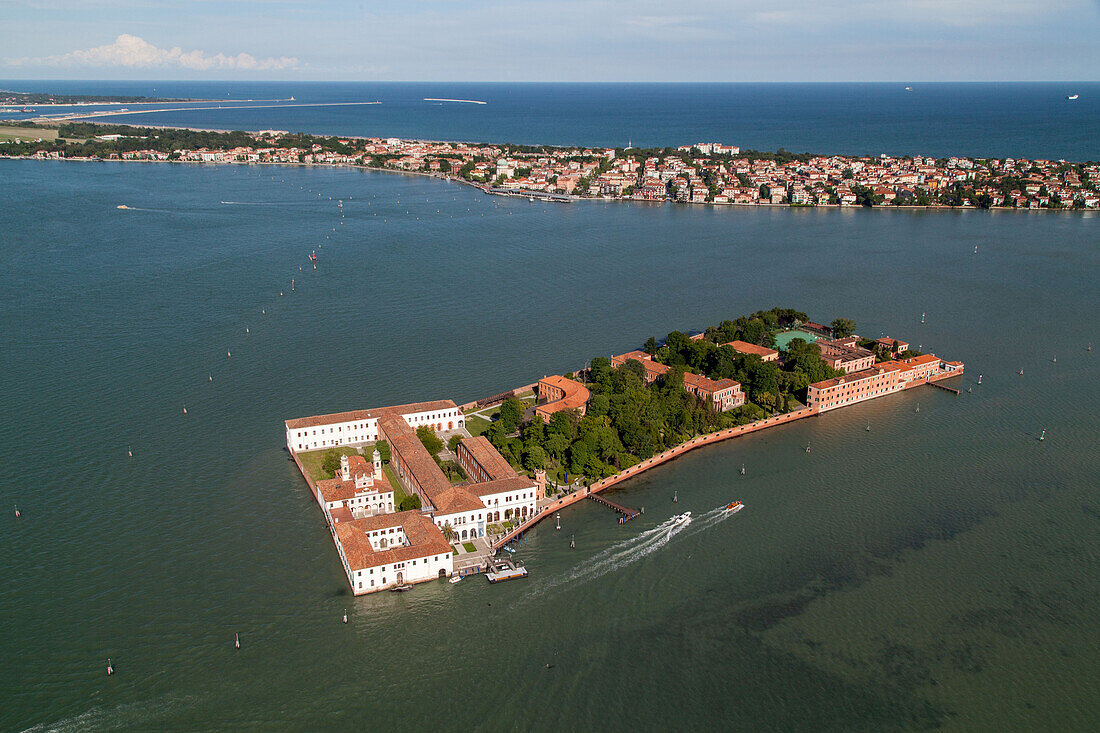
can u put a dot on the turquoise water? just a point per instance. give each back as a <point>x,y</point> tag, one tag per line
<point>937,571</point>
<point>782,339</point>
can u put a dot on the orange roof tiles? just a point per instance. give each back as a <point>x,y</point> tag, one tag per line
<point>420,463</point>
<point>744,347</point>
<point>486,456</point>
<point>424,539</point>
<point>501,486</point>
<point>575,395</point>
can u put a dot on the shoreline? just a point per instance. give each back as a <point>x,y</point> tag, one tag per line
<point>542,196</point>
<point>700,173</point>
<point>676,451</point>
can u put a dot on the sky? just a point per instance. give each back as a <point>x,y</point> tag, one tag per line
<point>552,40</point>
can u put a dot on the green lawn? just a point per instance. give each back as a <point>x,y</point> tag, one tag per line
<point>27,133</point>
<point>311,460</point>
<point>476,425</point>
<point>399,494</point>
<point>469,547</point>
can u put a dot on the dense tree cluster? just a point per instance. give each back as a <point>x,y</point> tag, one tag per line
<point>628,421</point>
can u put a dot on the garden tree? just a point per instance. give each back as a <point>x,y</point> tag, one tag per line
<point>534,432</point>
<point>534,458</point>
<point>511,412</point>
<point>494,434</point>
<point>599,405</point>
<point>564,423</point>
<point>650,346</point>
<point>452,444</point>
<point>409,503</point>
<point>843,327</point>
<point>330,462</point>
<point>579,456</point>
<point>383,449</point>
<point>448,531</point>
<point>430,440</point>
<point>556,446</point>
<point>599,373</point>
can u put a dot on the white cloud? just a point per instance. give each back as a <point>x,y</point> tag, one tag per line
<point>136,53</point>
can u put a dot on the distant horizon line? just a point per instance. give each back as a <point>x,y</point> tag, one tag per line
<point>476,81</point>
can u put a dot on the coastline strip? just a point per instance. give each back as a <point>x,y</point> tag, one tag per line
<point>110,113</point>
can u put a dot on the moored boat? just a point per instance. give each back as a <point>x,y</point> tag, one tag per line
<point>401,588</point>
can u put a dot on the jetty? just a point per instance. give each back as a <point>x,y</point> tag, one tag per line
<point>952,390</point>
<point>626,512</point>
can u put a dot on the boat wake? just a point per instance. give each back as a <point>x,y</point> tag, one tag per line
<point>630,551</point>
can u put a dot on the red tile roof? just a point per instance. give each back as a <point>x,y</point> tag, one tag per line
<point>407,446</point>
<point>575,395</point>
<point>424,539</point>
<point>501,486</point>
<point>744,347</point>
<point>486,456</point>
<point>705,384</point>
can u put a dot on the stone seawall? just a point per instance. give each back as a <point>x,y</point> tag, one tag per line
<point>657,460</point>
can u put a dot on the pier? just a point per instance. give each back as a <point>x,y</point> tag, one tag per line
<point>952,390</point>
<point>626,512</point>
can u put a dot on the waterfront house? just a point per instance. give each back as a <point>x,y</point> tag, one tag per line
<point>556,393</point>
<point>389,550</point>
<point>845,355</point>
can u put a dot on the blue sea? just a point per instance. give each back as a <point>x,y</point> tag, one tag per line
<point>938,571</point>
<point>943,119</point>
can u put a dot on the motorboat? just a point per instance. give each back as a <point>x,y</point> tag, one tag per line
<point>455,579</point>
<point>401,588</point>
<point>734,506</point>
<point>681,518</point>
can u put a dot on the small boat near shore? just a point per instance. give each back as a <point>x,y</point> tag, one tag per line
<point>734,506</point>
<point>506,571</point>
<point>401,588</point>
<point>454,579</point>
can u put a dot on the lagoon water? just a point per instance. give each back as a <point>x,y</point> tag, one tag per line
<point>937,571</point>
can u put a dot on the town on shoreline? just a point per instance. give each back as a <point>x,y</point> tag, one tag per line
<point>416,492</point>
<point>700,173</point>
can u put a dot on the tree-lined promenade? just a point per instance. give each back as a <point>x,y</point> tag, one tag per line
<point>702,173</point>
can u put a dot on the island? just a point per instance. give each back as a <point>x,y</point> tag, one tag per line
<point>710,174</point>
<point>11,98</point>
<point>418,492</point>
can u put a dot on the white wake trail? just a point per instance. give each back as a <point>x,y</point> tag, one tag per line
<point>629,551</point>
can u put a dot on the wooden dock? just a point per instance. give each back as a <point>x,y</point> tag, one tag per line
<point>626,512</point>
<point>952,390</point>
